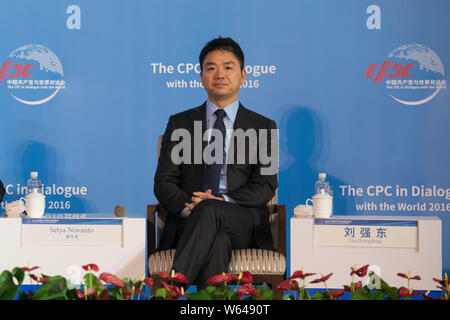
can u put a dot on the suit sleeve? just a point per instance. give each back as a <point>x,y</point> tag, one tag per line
<point>168,176</point>
<point>2,191</point>
<point>263,180</point>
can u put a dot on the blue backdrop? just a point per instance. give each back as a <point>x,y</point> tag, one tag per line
<point>358,90</point>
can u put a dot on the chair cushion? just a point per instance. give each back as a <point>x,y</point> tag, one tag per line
<point>256,261</point>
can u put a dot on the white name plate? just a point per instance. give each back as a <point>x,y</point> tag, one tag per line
<point>93,232</point>
<point>365,233</point>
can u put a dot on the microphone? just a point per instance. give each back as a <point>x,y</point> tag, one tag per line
<point>119,211</point>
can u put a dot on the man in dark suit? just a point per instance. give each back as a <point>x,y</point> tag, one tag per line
<point>213,208</point>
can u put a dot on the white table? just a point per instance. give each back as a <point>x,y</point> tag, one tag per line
<point>124,260</point>
<point>424,260</point>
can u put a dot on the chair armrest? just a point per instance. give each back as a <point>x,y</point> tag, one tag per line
<point>281,213</point>
<point>152,210</point>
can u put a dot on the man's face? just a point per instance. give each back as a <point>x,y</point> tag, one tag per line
<point>222,77</point>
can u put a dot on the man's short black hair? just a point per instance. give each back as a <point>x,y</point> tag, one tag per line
<point>220,43</point>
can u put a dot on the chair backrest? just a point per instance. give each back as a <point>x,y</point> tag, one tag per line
<point>277,218</point>
<point>158,146</point>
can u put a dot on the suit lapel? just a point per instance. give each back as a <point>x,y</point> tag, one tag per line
<point>241,117</point>
<point>241,122</point>
<point>198,115</point>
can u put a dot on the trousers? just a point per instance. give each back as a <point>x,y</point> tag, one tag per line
<point>214,228</point>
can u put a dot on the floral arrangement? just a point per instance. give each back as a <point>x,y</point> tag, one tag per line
<point>381,291</point>
<point>104,287</point>
<point>107,286</point>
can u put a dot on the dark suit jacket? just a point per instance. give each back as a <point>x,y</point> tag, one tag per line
<point>174,184</point>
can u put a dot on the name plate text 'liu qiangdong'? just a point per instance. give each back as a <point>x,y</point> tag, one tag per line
<point>72,232</point>
<point>366,233</point>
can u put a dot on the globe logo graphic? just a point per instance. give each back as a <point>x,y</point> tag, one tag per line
<point>427,76</point>
<point>44,76</point>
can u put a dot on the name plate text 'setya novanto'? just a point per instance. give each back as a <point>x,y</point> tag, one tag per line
<point>94,232</point>
<point>366,233</point>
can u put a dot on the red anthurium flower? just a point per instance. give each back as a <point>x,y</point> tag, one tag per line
<point>104,276</point>
<point>288,285</point>
<point>443,288</point>
<point>219,278</point>
<point>243,277</point>
<point>356,286</point>
<point>80,294</point>
<point>149,282</point>
<point>404,292</point>
<point>164,275</point>
<point>138,291</point>
<point>180,278</point>
<point>174,276</point>
<point>89,293</point>
<point>90,267</point>
<point>361,272</point>
<point>323,279</point>
<point>300,274</point>
<point>111,279</point>
<point>247,277</point>
<point>248,289</point>
<point>34,277</point>
<point>29,269</point>
<point>408,276</point>
<point>444,283</point>
<point>175,292</point>
<point>336,293</point>
<point>441,282</point>
<point>165,285</point>
<point>44,280</point>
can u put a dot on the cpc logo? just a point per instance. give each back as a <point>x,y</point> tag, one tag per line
<point>33,74</point>
<point>413,74</point>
